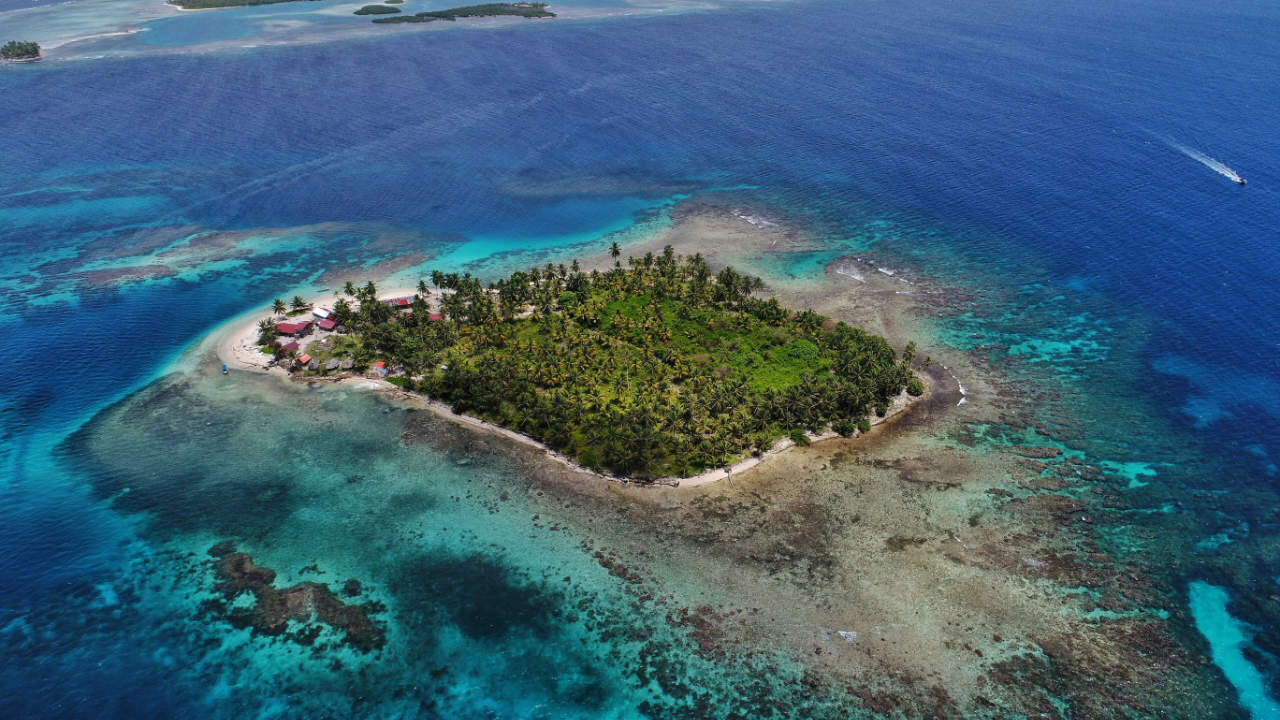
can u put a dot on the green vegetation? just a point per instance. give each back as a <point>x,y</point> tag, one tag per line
<point>527,10</point>
<point>16,50</point>
<point>208,4</point>
<point>267,333</point>
<point>377,10</point>
<point>652,369</point>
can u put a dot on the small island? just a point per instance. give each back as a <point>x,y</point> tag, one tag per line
<point>376,10</point>
<point>526,10</point>
<point>213,4</point>
<point>19,51</point>
<point>656,369</point>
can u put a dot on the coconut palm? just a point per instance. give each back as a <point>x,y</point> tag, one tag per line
<point>278,306</point>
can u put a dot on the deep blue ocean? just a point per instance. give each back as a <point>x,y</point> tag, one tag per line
<point>1037,143</point>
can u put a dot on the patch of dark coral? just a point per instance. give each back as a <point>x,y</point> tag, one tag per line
<point>898,543</point>
<point>792,539</point>
<point>481,596</point>
<point>1141,671</point>
<point>310,604</point>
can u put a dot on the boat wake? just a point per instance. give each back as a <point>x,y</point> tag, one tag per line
<point>1215,165</point>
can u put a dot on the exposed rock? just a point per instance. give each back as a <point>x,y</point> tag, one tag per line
<point>898,543</point>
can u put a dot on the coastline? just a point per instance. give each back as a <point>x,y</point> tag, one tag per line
<point>236,347</point>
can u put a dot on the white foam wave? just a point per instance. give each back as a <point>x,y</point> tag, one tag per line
<point>848,270</point>
<point>755,219</point>
<point>1215,165</point>
<point>963,392</point>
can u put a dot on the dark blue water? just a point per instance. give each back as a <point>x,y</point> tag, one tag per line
<point>1027,139</point>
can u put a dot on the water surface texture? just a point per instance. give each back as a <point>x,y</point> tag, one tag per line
<point>1082,523</point>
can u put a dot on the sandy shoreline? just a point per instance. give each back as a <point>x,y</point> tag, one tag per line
<point>238,349</point>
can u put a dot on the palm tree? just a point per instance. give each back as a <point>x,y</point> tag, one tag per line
<point>278,306</point>
<point>615,250</point>
<point>298,303</point>
<point>349,289</point>
<point>266,331</point>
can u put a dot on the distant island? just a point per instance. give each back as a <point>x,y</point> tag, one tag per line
<point>527,10</point>
<point>17,50</point>
<point>376,10</point>
<point>656,369</point>
<point>211,4</point>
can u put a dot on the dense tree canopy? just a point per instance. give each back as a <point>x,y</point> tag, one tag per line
<point>659,367</point>
<point>17,50</point>
<point>527,10</point>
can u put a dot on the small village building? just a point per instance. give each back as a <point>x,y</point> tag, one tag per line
<point>326,324</point>
<point>400,303</point>
<point>291,346</point>
<point>433,317</point>
<point>331,365</point>
<point>322,313</point>
<point>303,359</point>
<point>294,329</point>
<point>347,363</point>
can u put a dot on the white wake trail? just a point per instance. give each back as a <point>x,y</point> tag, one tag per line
<point>1215,165</point>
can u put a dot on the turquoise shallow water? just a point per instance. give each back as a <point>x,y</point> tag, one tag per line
<point>1000,159</point>
<point>1226,637</point>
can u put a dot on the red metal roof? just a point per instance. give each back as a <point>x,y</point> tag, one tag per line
<point>435,316</point>
<point>304,358</point>
<point>291,328</point>
<point>291,346</point>
<point>379,364</point>
<point>326,324</point>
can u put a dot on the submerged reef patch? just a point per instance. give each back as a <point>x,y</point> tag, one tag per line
<point>296,612</point>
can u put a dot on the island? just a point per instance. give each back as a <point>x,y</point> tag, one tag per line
<point>526,10</point>
<point>655,369</point>
<point>19,51</point>
<point>376,10</point>
<point>213,4</point>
